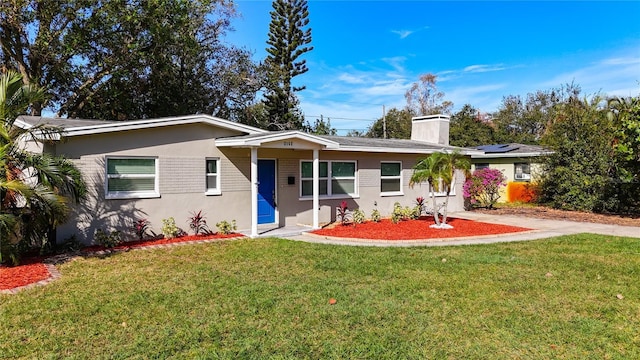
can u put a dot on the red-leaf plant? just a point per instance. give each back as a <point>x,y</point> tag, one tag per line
<point>140,227</point>
<point>343,213</point>
<point>420,205</point>
<point>198,224</point>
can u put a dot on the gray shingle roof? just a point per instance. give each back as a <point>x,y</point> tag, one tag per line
<point>386,143</point>
<point>515,148</point>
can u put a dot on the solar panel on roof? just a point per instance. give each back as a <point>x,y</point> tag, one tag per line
<point>497,148</point>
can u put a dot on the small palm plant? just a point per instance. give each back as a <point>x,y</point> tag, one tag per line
<point>439,170</point>
<point>35,189</point>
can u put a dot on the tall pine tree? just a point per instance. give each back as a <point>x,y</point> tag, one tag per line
<point>288,40</point>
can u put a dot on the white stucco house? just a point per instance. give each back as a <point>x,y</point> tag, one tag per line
<point>168,167</point>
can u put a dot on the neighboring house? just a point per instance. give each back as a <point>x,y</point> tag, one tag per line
<point>169,167</point>
<point>520,164</point>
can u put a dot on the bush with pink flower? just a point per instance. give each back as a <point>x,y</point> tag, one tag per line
<point>483,187</point>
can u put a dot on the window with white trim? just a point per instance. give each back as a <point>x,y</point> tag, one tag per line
<point>391,178</point>
<point>213,176</point>
<point>337,178</point>
<point>306,178</point>
<point>131,177</point>
<point>481,166</point>
<point>522,172</point>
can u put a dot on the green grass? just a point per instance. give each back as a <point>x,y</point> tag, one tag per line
<point>268,298</point>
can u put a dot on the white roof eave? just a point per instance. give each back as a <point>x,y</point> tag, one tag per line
<point>400,150</point>
<point>267,138</point>
<point>153,123</point>
<point>507,155</point>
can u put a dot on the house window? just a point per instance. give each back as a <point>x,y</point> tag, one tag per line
<point>482,166</point>
<point>442,191</point>
<point>391,178</point>
<point>213,176</point>
<point>306,178</point>
<point>522,172</point>
<point>337,178</point>
<point>132,178</point>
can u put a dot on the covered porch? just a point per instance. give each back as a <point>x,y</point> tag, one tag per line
<point>286,140</point>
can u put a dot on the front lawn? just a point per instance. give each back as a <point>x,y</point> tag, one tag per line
<point>569,297</point>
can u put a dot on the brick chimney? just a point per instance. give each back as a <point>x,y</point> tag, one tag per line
<point>431,128</point>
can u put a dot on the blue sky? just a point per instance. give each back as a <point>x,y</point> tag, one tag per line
<point>367,53</point>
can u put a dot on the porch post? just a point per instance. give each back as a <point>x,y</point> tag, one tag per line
<point>316,188</point>
<point>254,192</point>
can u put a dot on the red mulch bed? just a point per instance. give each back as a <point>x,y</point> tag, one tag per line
<point>32,270</point>
<point>416,229</point>
<point>161,241</point>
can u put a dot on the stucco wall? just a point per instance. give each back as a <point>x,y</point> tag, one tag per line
<point>294,210</point>
<point>181,151</point>
<point>507,166</point>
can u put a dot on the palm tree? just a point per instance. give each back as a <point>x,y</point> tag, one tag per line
<point>439,170</point>
<point>34,188</point>
<point>427,170</point>
<point>449,164</point>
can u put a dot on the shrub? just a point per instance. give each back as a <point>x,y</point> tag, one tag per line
<point>398,213</point>
<point>197,223</point>
<point>108,240</point>
<point>416,212</point>
<point>483,187</point>
<point>140,228</point>
<point>11,253</point>
<point>358,216</point>
<point>343,213</point>
<point>70,244</point>
<point>169,228</point>
<point>375,215</point>
<point>225,227</point>
<point>420,205</point>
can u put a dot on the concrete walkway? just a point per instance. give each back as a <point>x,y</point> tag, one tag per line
<point>542,229</point>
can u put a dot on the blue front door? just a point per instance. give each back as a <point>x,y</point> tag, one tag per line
<point>266,191</point>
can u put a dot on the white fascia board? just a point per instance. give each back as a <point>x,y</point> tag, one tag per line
<point>21,124</point>
<point>398,150</point>
<point>259,140</point>
<point>152,123</point>
<point>507,155</point>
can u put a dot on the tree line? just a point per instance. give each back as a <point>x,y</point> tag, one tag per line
<point>595,164</point>
<point>127,59</point>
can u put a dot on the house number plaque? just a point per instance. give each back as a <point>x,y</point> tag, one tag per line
<point>288,143</point>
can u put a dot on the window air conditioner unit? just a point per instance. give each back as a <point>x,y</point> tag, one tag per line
<point>523,177</point>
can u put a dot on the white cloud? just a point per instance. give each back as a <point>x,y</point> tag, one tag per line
<point>397,62</point>
<point>482,97</point>
<point>621,61</point>
<point>483,68</point>
<point>403,33</point>
<point>351,79</point>
<point>618,76</point>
